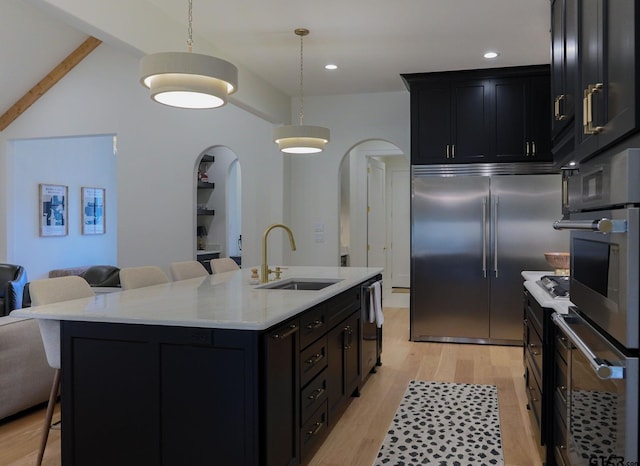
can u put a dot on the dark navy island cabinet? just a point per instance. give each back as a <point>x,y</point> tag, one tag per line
<point>167,395</point>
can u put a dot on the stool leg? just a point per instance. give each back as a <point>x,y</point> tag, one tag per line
<point>47,422</point>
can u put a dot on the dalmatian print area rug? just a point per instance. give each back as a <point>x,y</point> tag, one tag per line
<point>444,424</point>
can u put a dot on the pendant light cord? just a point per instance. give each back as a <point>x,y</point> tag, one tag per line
<point>190,29</point>
<point>301,113</point>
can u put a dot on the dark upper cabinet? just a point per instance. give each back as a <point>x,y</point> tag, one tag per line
<point>492,115</point>
<point>564,65</point>
<point>452,122</point>
<point>606,82</point>
<point>607,71</point>
<point>521,119</point>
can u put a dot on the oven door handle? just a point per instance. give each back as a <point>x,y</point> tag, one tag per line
<point>604,225</point>
<point>602,369</point>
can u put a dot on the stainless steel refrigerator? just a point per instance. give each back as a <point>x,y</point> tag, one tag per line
<point>473,231</point>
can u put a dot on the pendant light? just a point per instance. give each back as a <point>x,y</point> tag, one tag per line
<point>301,139</point>
<point>186,79</point>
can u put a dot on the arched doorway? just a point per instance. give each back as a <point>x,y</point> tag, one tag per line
<point>374,210</point>
<point>218,219</point>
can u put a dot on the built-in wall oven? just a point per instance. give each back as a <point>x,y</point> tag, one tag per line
<point>603,211</point>
<point>602,402</point>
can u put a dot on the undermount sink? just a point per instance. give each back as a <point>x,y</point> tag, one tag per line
<point>313,284</point>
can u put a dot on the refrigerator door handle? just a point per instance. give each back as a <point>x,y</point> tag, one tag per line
<point>495,236</point>
<point>484,237</point>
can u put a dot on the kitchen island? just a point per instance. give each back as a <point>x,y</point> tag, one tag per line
<point>210,370</point>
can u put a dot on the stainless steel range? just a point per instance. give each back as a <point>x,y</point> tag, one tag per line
<point>603,327</point>
<point>557,286</point>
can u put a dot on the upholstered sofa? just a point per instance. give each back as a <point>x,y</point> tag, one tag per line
<point>13,278</point>
<point>25,376</point>
<point>95,275</point>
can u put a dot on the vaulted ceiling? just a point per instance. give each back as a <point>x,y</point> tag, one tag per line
<point>371,41</point>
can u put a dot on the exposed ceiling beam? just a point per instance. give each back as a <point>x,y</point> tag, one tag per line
<point>48,81</point>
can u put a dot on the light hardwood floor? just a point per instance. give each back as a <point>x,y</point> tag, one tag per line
<point>355,440</point>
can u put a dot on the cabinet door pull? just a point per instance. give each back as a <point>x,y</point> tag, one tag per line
<point>315,359</point>
<point>279,336</point>
<point>315,324</point>
<point>453,151</point>
<point>587,109</point>
<point>348,332</point>
<point>559,116</point>
<point>316,428</point>
<point>447,150</point>
<point>316,394</point>
<point>533,148</point>
<point>533,351</point>
<point>526,151</point>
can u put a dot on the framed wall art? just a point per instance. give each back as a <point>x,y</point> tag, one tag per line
<point>93,211</point>
<point>53,210</point>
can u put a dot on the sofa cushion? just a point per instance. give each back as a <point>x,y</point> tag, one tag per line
<point>102,275</point>
<point>25,376</point>
<point>13,279</point>
<point>68,271</point>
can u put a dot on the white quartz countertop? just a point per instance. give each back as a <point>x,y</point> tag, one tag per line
<point>560,305</point>
<point>224,300</point>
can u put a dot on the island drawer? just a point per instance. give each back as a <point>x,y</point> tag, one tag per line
<point>313,396</point>
<point>313,431</point>
<point>313,324</point>
<point>313,360</point>
<point>341,306</point>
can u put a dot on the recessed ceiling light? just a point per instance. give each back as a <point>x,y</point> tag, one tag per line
<point>330,66</point>
<point>491,54</point>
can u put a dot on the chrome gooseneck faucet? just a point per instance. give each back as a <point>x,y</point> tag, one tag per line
<point>264,276</point>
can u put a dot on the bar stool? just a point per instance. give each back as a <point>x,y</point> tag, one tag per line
<point>187,269</point>
<point>139,277</point>
<point>223,264</point>
<point>48,291</point>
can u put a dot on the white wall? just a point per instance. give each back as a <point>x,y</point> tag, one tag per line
<point>73,162</point>
<point>314,180</point>
<point>157,151</point>
<point>158,148</point>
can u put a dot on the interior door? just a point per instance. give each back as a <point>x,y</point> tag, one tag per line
<point>449,235</point>
<point>376,214</point>
<point>400,233</point>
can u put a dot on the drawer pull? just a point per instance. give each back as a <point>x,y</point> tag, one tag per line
<point>313,360</point>
<point>317,393</point>
<point>316,428</point>
<point>533,351</point>
<point>278,336</point>
<point>314,325</point>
